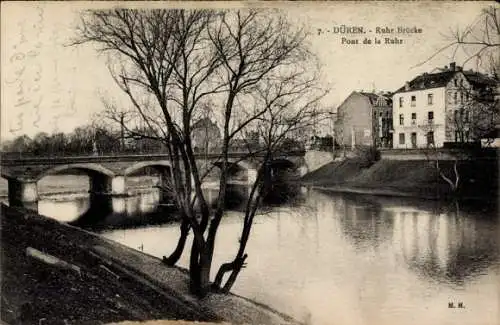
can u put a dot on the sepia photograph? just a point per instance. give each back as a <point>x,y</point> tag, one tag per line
<point>264,162</point>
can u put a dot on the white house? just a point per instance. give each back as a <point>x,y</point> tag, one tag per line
<point>425,109</point>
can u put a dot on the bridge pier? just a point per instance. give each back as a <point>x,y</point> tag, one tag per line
<point>23,193</point>
<point>166,192</point>
<point>118,187</point>
<point>101,184</point>
<point>251,176</point>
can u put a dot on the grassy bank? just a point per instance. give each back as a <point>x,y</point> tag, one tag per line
<point>420,178</point>
<point>114,283</point>
<point>34,292</point>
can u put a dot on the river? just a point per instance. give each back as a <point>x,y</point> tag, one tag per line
<point>335,258</point>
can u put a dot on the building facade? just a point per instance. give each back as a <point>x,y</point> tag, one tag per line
<point>205,136</point>
<point>364,119</point>
<point>436,108</point>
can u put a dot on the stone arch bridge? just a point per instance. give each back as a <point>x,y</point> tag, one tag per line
<point>107,173</point>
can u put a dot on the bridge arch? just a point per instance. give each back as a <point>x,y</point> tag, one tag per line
<point>158,165</point>
<point>240,171</point>
<point>164,170</point>
<point>244,170</point>
<point>90,168</point>
<point>283,163</point>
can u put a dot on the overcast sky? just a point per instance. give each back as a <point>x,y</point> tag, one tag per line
<point>49,86</point>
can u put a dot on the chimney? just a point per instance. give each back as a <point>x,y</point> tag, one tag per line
<point>407,86</point>
<point>453,66</point>
<point>445,68</point>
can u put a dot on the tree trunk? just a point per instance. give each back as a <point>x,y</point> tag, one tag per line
<point>238,264</point>
<point>177,253</point>
<point>199,269</point>
<point>205,266</point>
<point>194,269</point>
<point>239,261</point>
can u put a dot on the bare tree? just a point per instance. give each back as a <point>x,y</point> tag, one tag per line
<point>452,180</point>
<point>477,112</point>
<point>479,41</point>
<point>251,65</point>
<point>288,107</point>
<point>432,154</point>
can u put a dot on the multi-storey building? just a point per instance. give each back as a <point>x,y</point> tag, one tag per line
<point>206,135</point>
<point>364,119</point>
<point>435,108</point>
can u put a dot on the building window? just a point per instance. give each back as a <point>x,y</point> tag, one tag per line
<point>466,116</point>
<point>413,100</point>
<point>430,98</point>
<point>400,101</point>
<point>413,118</point>
<point>455,98</point>
<point>430,115</point>
<point>430,137</point>
<point>414,140</point>
<point>401,138</point>
<point>401,119</point>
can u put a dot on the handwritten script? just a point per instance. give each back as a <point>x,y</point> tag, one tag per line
<point>24,81</point>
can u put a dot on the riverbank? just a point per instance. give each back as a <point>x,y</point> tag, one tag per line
<point>409,178</point>
<point>105,283</point>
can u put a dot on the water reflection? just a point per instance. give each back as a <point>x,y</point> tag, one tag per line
<point>354,259</point>
<point>446,247</point>
<point>139,210</point>
<point>105,212</point>
<point>364,222</point>
<point>440,243</point>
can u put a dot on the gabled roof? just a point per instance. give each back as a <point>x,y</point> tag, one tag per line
<point>371,96</point>
<point>204,123</point>
<point>378,99</point>
<point>428,80</point>
<point>441,79</point>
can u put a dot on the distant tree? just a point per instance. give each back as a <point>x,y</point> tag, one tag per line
<point>81,140</point>
<point>58,143</point>
<point>6,145</point>
<point>42,144</point>
<point>106,141</point>
<point>21,143</point>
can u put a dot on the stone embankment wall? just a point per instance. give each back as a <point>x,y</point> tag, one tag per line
<point>316,159</point>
